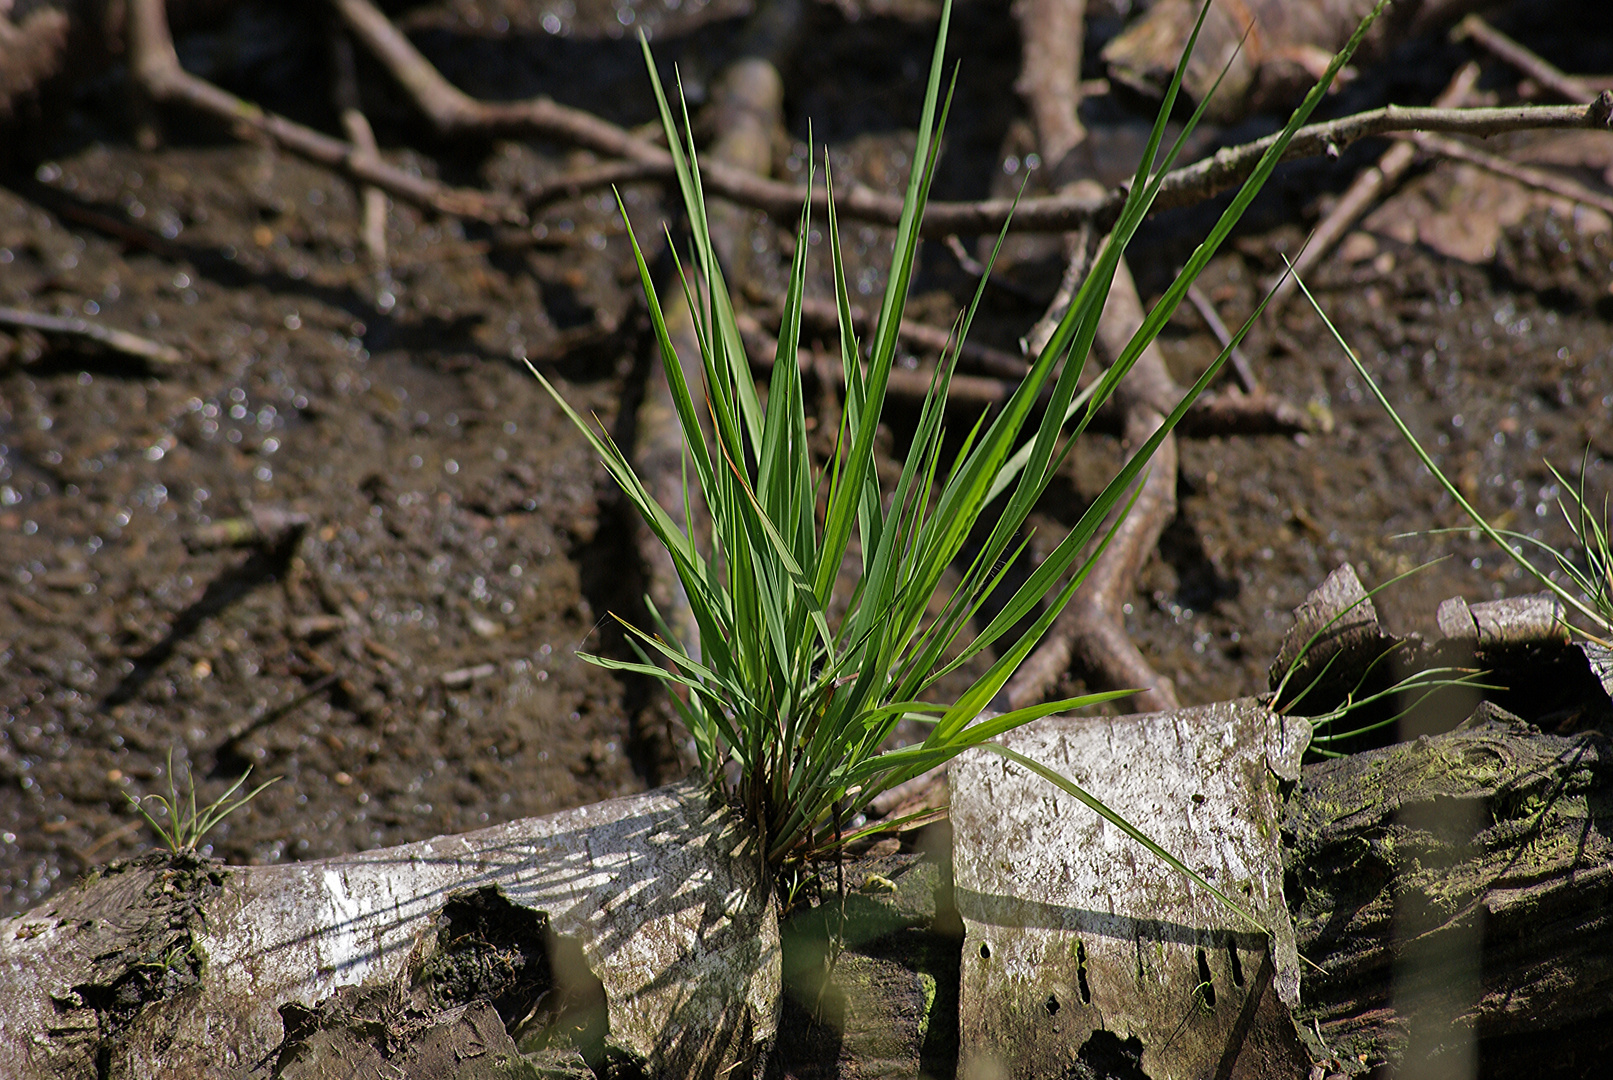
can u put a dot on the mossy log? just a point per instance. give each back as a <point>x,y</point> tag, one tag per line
<point>1455,896</point>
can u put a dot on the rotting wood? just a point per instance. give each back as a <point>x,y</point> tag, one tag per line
<point>181,944</point>
<point>1532,874</point>
<point>658,898</point>
<point>1080,944</point>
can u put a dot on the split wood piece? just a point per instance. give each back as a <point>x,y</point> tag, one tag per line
<point>657,900</point>
<point>1078,941</point>
<point>1499,625</point>
<point>1465,875</point>
<point>154,65</point>
<point>452,111</point>
<point>121,341</point>
<point>1335,639</point>
<point>871,975</point>
<point>1367,188</point>
<point>1527,61</point>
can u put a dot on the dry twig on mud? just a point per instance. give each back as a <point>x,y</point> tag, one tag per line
<point>1363,192</point>
<point>1475,29</point>
<point>158,74</point>
<point>1091,630</point>
<point>155,67</point>
<point>1212,319</point>
<point>1052,33</point>
<point>141,348</point>
<point>357,126</point>
<point>1527,175</point>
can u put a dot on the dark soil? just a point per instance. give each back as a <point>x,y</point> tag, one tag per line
<point>404,660</point>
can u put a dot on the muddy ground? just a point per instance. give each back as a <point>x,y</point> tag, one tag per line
<point>404,661</point>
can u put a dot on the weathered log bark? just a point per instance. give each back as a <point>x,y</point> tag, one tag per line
<point>1455,889</point>
<point>637,933</point>
<point>1453,897</point>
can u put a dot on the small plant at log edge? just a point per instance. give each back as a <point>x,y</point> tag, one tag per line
<point>1591,599</point>
<point>1327,728</point>
<point>802,705</point>
<point>186,825</point>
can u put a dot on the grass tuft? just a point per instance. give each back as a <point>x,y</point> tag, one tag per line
<point>789,705</point>
<point>182,826</point>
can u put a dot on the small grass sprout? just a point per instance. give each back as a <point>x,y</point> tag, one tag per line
<point>1591,598</point>
<point>1327,727</point>
<point>182,825</point>
<point>790,698</point>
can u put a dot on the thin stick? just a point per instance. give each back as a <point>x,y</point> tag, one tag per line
<point>155,67</point>
<point>142,348</point>
<point>1212,319</point>
<point>358,129</point>
<point>1092,629</point>
<point>453,111</point>
<point>981,359</point>
<point>1050,73</point>
<point>1526,60</point>
<point>1565,186</point>
<point>1363,192</point>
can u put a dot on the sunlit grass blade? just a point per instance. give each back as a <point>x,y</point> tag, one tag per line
<point>1602,620</point>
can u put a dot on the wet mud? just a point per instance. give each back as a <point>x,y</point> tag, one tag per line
<point>348,541</point>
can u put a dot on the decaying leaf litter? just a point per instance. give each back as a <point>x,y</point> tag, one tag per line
<point>362,399</point>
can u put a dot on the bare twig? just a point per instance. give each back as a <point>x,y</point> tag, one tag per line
<point>155,67</point>
<point>1229,413</point>
<point>1212,319</point>
<point>1475,29</point>
<point>1051,32</point>
<point>980,359</point>
<point>1543,179</point>
<point>1092,629</point>
<point>453,111</point>
<point>1364,191</point>
<point>357,126</point>
<point>142,348</point>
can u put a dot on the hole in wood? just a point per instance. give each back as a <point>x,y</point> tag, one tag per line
<point>1081,973</point>
<point>985,951</point>
<point>1051,1005</point>
<point>1206,987</point>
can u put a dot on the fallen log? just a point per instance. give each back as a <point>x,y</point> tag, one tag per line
<point>1451,896</point>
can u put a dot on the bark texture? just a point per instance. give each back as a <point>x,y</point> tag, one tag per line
<point>1497,835</point>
